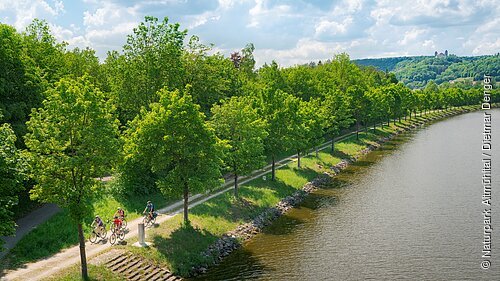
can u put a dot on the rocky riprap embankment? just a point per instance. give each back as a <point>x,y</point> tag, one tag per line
<point>232,240</point>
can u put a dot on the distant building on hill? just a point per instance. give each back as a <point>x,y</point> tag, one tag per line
<point>441,55</point>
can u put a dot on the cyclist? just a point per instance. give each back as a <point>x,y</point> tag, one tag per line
<point>150,208</point>
<point>98,224</point>
<point>120,213</point>
<point>117,223</point>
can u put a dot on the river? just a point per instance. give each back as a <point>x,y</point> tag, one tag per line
<point>411,210</point>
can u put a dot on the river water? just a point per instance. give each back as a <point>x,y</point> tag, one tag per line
<point>411,210</point>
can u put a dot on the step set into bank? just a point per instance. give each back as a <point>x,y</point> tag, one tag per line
<point>135,268</point>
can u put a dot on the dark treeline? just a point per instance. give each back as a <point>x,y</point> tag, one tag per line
<point>165,115</point>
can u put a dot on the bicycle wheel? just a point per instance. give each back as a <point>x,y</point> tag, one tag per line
<point>124,223</point>
<point>121,234</point>
<point>104,232</point>
<point>146,221</point>
<point>93,237</point>
<point>153,220</point>
<point>112,238</point>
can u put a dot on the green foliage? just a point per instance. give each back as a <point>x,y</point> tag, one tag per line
<point>416,72</point>
<point>238,124</point>
<point>212,77</point>
<point>45,51</point>
<point>336,112</point>
<point>382,64</point>
<point>181,149</point>
<point>279,110</point>
<point>71,140</point>
<point>20,81</point>
<point>151,60</point>
<point>12,171</point>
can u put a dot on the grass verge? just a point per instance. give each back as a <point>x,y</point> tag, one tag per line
<point>179,247</point>
<point>60,232</point>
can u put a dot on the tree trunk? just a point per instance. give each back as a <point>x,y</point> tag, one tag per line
<point>374,126</point>
<point>83,257</point>
<point>357,129</point>
<point>333,144</point>
<point>316,148</point>
<point>399,119</point>
<point>186,203</point>
<point>235,185</point>
<point>273,171</point>
<point>298,158</point>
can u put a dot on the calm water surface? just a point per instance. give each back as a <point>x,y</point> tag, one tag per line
<point>409,211</point>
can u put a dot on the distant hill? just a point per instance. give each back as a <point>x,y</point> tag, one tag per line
<point>416,72</point>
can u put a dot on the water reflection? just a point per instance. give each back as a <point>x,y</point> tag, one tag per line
<point>408,211</point>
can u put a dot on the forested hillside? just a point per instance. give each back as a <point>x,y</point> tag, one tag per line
<point>416,72</point>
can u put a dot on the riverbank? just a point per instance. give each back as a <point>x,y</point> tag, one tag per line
<point>180,248</point>
<point>234,239</point>
<point>191,250</point>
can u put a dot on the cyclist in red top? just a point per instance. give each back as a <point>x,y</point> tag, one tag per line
<point>117,223</point>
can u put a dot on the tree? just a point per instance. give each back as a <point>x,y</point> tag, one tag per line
<point>279,109</point>
<point>72,140</point>
<point>182,149</point>
<point>336,114</point>
<point>238,124</point>
<point>359,104</point>
<point>45,51</point>
<point>21,86</point>
<point>309,131</point>
<point>12,171</point>
<point>247,62</point>
<point>151,60</point>
<point>212,77</point>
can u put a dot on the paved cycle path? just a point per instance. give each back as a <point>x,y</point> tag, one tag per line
<point>49,266</point>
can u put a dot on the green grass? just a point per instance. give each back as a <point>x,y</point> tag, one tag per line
<point>60,232</point>
<point>96,273</point>
<point>178,247</point>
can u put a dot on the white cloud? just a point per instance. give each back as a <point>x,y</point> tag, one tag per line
<point>487,47</point>
<point>109,14</point>
<point>262,13</point>
<point>325,27</point>
<point>411,36</point>
<point>25,11</point>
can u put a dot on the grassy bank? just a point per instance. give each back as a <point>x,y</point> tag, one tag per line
<point>60,232</point>
<point>178,247</point>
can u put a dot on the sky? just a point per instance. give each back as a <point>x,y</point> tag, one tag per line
<point>287,31</point>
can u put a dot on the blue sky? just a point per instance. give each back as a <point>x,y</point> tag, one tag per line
<point>290,32</point>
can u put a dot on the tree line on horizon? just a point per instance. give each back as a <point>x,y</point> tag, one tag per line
<point>446,71</point>
<point>166,114</point>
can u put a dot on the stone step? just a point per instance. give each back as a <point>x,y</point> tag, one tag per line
<point>133,266</point>
<point>117,260</point>
<point>151,274</point>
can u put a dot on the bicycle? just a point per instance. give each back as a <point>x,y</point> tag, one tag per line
<point>149,220</point>
<point>100,233</point>
<point>117,233</point>
<point>124,222</point>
